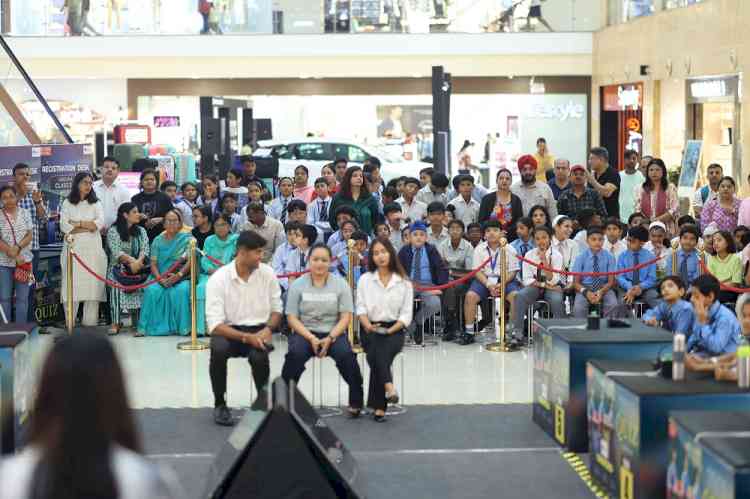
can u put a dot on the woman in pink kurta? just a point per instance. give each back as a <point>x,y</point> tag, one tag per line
<point>657,198</point>
<point>724,209</point>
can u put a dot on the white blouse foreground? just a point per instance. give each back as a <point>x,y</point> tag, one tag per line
<point>390,303</point>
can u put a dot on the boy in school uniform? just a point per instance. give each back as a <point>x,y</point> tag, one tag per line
<point>392,212</point>
<point>413,209</point>
<point>716,330</point>
<point>638,284</point>
<point>299,257</point>
<point>279,206</point>
<point>486,283</point>
<point>436,232</point>
<point>318,211</point>
<point>281,255</point>
<point>657,233</point>
<point>537,283</point>
<point>688,268</point>
<point>425,267</point>
<point>523,243</point>
<point>594,290</point>
<point>458,255</point>
<point>360,257</point>
<point>466,207</point>
<point>613,241</point>
<point>673,312</point>
<point>343,214</point>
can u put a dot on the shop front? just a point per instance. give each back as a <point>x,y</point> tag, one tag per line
<point>622,119</point>
<point>713,117</point>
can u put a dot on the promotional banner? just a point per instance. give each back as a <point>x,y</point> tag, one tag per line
<point>11,156</point>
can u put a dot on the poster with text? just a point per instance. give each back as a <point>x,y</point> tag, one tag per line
<point>10,156</point>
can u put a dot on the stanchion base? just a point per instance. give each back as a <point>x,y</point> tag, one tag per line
<point>498,347</point>
<point>187,346</point>
<point>327,412</point>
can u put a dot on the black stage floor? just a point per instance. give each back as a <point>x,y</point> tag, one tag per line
<point>436,452</point>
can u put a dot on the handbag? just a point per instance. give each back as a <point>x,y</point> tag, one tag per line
<point>122,274</point>
<point>24,272</point>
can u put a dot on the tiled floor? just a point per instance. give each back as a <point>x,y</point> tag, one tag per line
<point>158,375</point>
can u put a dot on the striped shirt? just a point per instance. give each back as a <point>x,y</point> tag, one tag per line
<point>27,203</point>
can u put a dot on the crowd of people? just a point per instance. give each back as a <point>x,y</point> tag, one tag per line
<point>621,235</point>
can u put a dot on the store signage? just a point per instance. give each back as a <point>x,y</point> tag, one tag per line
<point>708,88</point>
<point>560,112</point>
<point>166,121</point>
<point>628,97</point>
<point>622,97</point>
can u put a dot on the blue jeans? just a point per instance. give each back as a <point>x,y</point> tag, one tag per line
<point>7,286</point>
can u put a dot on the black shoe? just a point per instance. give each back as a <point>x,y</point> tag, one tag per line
<point>449,335</point>
<point>261,403</point>
<point>418,335</point>
<point>482,324</point>
<point>379,419</point>
<point>223,416</point>
<point>466,339</point>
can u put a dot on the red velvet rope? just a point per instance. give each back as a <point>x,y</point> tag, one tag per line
<point>458,281</point>
<point>590,274</point>
<point>723,286</point>
<point>123,287</point>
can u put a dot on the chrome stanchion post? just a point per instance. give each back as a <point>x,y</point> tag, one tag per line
<point>193,344</point>
<point>675,247</point>
<point>354,339</point>
<point>70,319</point>
<point>500,345</point>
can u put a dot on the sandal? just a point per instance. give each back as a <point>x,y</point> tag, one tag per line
<point>114,330</point>
<point>354,413</point>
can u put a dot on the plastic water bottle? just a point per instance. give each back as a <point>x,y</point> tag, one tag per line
<point>743,364</point>
<point>678,357</point>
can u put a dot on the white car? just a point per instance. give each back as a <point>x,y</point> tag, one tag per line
<point>314,152</point>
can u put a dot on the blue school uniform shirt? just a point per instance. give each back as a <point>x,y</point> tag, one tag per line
<point>585,263</point>
<point>692,265</point>
<point>519,246</point>
<point>676,318</point>
<point>721,335</point>
<point>647,274</point>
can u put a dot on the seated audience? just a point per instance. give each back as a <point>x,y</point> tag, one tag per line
<point>458,255</point>
<point>301,189</point>
<point>423,264</point>
<point>234,186</point>
<point>568,249</point>
<point>203,226</point>
<point>298,259</point>
<point>716,330</point>
<point>687,256</point>
<point>228,208</point>
<point>392,212</point>
<point>188,202</point>
<point>613,241</point>
<point>170,189</point>
<point>222,246</point>
<point>596,291</point>
<point>524,242</point>
<point>318,210</point>
<point>341,215</point>
<point>638,285</point>
<point>657,244</point>
<point>270,229</point>
<point>436,231</point>
<point>673,313</point>
<point>413,209</point>
<point>359,257</point>
<point>435,190</point>
<point>474,234</point>
<point>466,207</point>
<point>725,265</point>
<point>278,208</point>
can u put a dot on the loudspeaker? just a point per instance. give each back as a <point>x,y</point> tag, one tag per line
<point>211,136</point>
<point>263,129</point>
<point>100,147</point>
<point>266,166</point>
<point>287,452</point>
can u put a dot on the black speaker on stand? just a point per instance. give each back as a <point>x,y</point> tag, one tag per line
<point>286,452</point>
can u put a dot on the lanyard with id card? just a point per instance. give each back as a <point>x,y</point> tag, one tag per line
<point>493,279</point>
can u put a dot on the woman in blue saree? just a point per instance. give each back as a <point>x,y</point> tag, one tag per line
<point>166,305</point>
<point>221,246</point>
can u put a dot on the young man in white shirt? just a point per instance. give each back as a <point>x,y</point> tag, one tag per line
<point>630,179</point>
<point>467,208</point>
<point>243,306</point>
<point>538,284</point>
<point>110,192</point>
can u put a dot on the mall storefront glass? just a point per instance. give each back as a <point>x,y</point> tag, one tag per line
<point>620,11</point>
<point>133,17</point>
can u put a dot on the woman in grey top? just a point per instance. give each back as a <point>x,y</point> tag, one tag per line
<point>319,308</point>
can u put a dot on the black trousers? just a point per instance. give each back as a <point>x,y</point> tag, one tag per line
<point>300,351</point>
<point>381,349</point>
<point>223,349</point>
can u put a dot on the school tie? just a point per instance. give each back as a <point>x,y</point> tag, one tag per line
<point>417,265</point>
<point>301,261</point>
<point>596,282</point>
<point>636,272</point>
<point>283,212</point>
<point>524,249</point>
<point>684,270</point>
<point>323,211</point>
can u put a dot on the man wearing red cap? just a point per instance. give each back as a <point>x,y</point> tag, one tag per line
<point>531,191</point>
<point>580,197</point>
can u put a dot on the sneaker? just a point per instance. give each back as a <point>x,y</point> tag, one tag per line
<point>466,339</point>
<point>261,403</point>
<point>449,336</point>
<point>482,324</point>
<point>223,416</point>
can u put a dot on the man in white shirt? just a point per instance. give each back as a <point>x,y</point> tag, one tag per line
<point>630,179</point>
<point>110,192</point>
<point>532,191</point>
<point>538,284</point>
<point>270,229</point>
<point>243,306</point>
<point>436,190</point>
<point>714,172</point>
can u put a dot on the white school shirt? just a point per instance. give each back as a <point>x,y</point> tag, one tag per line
<point>616,249</point>
<point>529,271</point>
<point>466,212</point>
<point>482,252</point>
<point>231,300</point>
<point>111,197</point>
<point>391,303</point>
<point>569,250</point>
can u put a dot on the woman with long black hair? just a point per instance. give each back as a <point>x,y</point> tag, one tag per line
<point>353,193</point>
<point>81,220</point>
<point>384,306</point>
<point>152,204</point>
<point>83,441</point>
